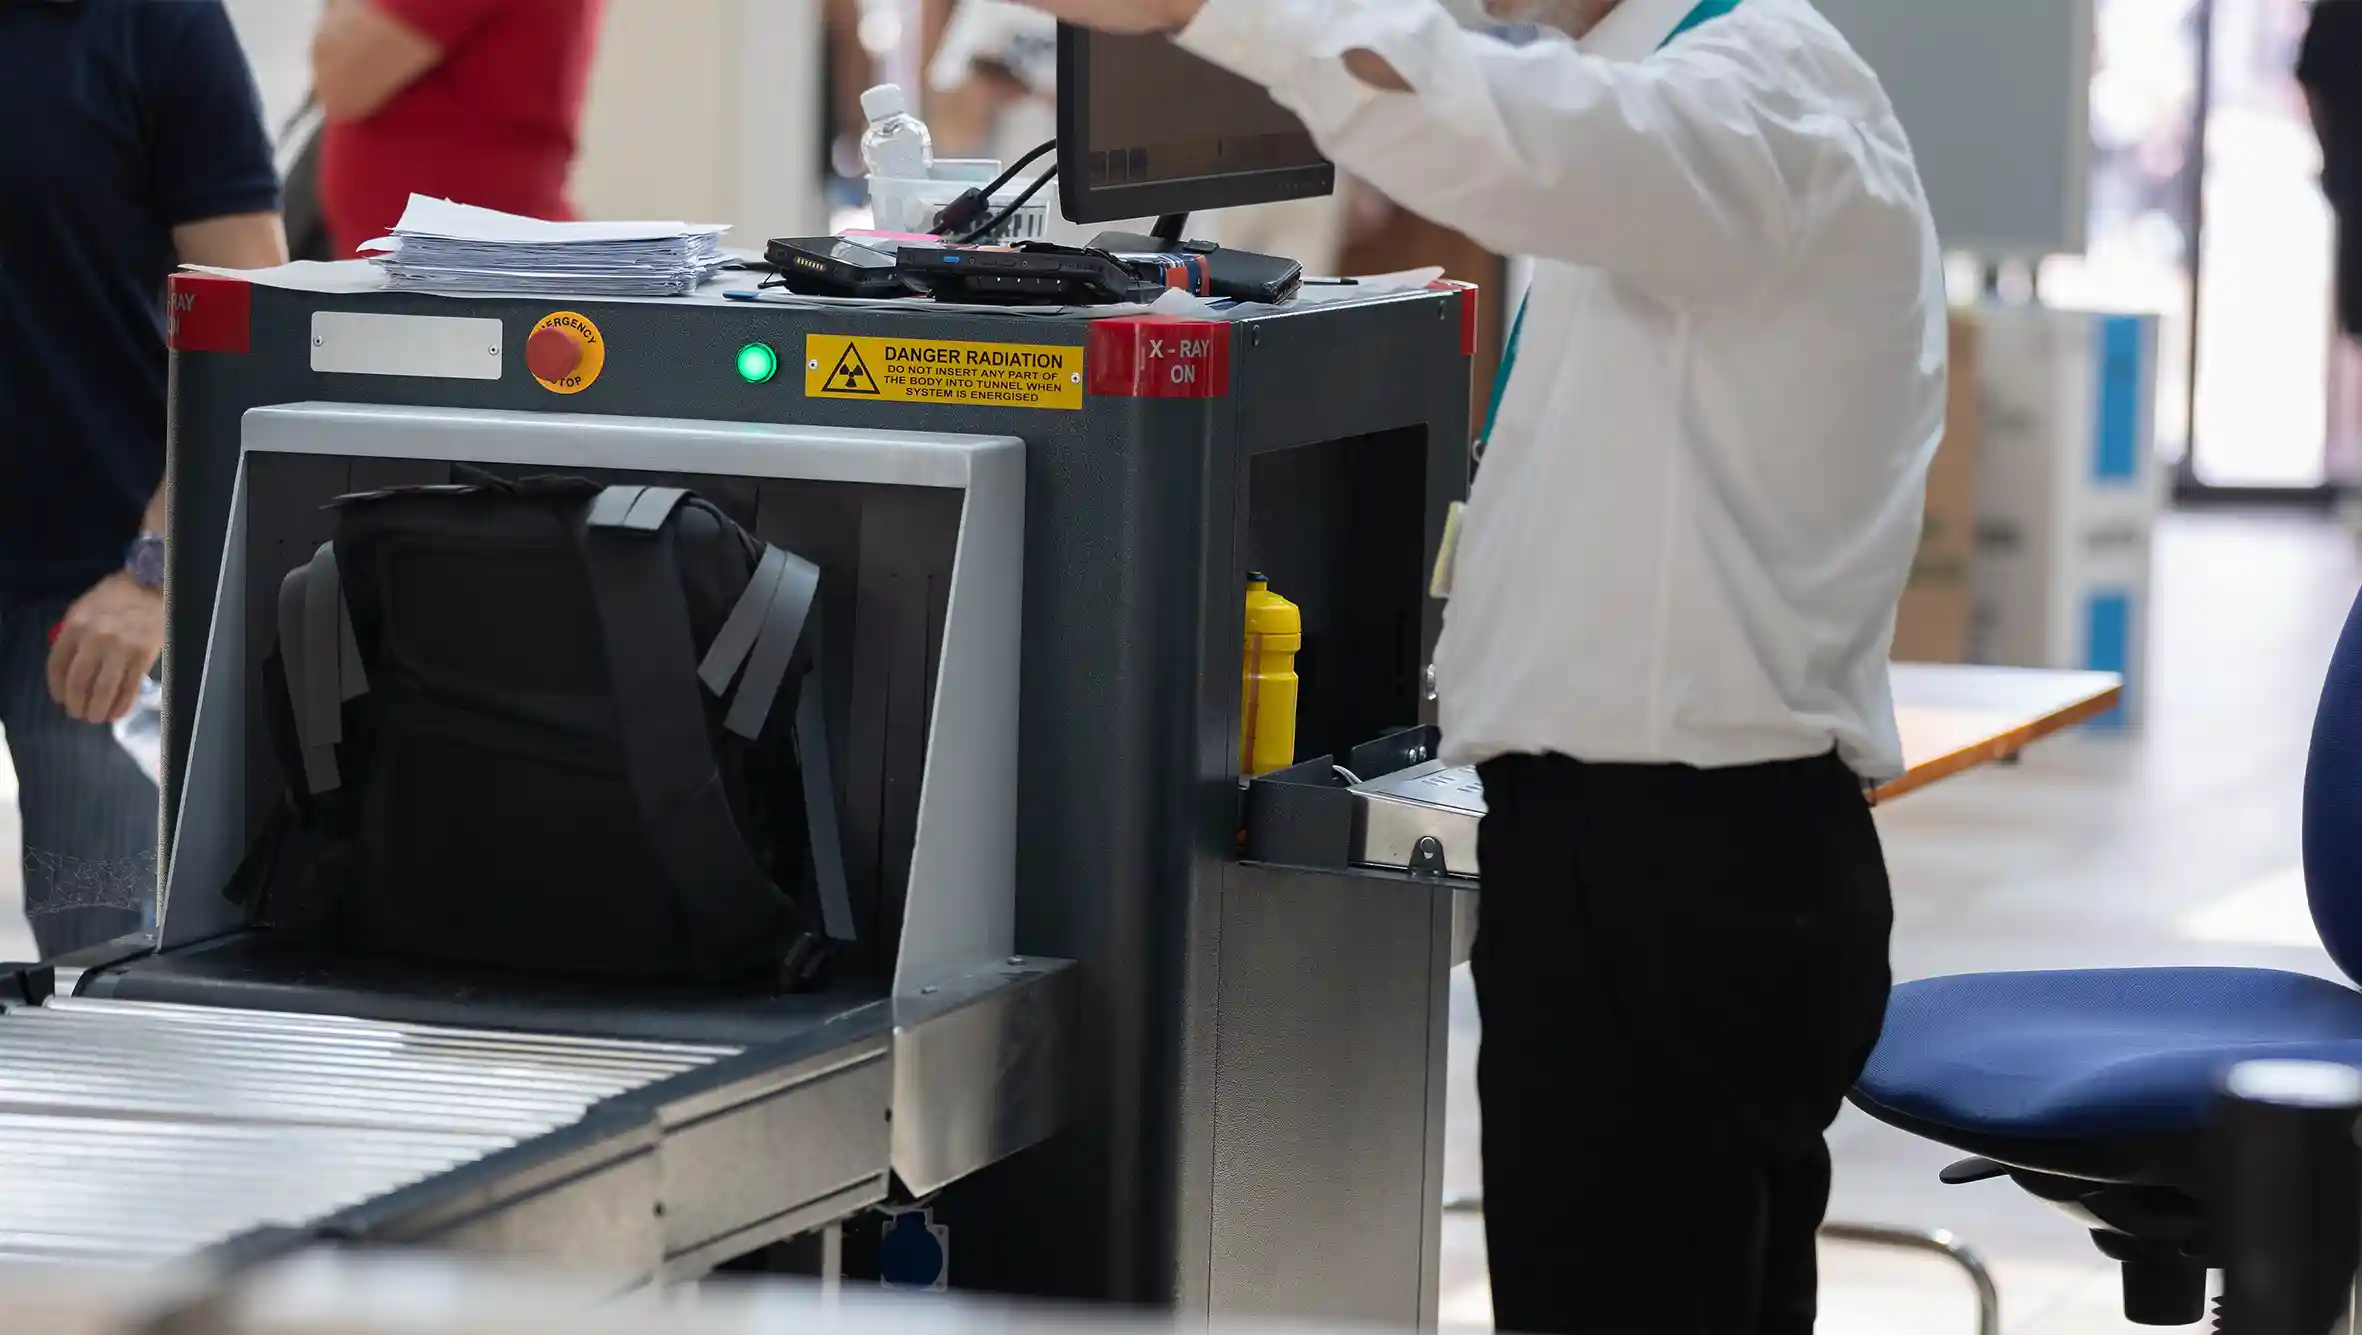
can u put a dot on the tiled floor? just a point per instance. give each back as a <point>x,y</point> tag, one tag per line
<point>2175,844</point>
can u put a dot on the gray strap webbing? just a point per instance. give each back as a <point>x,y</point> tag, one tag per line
<point>290,618</point>
<point>323,649</point>
<point>820,806</point>
<point>613,506</point>
<point>322,660</point>
<point>736,639</point>
<point>639,509</point>
<point>644,628</point>
<point>655,505</point>
<point>354,676</point>
<point>319,757</point>
<point>317,762</point>
<point>775,647</point>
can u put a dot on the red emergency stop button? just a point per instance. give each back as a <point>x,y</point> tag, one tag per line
<point>553,353</point>
<point>565,352</point>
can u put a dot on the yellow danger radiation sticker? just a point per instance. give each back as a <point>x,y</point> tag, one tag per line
<point>909,370</point>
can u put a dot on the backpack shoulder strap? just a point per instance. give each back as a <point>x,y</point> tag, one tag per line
<point>761,635</point>
<point>322,663</point>
<point>822,832</point>
<point>644,629</point>
<point>291,875</point>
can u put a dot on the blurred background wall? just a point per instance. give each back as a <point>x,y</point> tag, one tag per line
<point>703,110</point>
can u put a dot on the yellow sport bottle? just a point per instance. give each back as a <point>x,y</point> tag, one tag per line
<point>1267,696</point>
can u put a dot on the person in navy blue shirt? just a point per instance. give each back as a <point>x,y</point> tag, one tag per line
<point>2330,70</point>
<point>131,138</point>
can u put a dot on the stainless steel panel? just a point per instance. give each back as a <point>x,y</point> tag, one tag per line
<point>1464,908</point>
<point>442,347</point>
<point>601,1215</point>
<point>784,1141</point>
<point>983,1067</point>
<point>1334,1011</point>
<point>1429,801</point>
<point>697,1262</point>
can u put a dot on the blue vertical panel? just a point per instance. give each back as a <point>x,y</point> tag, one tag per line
<point>2120,359</point>
<point>2107,640</point>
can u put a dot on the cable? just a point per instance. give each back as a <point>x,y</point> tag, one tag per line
<point>1020,165</point>
<point>975,203</point>
<point>987,228</point>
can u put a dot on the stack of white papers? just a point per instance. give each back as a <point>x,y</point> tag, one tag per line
<point>452,248</point>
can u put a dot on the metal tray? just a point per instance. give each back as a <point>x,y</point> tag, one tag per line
<point>1422,819</point>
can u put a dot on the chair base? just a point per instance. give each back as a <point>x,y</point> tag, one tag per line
<point>2142,1198</point>
<point>2163,1285</point>
<point>2157,1236</point>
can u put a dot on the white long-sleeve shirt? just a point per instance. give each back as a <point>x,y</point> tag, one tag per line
<point>1700,502</point>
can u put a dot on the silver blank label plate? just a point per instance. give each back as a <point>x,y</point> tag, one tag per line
<point>437,346</point>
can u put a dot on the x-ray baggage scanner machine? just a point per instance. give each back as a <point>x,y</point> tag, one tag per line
<point>1111,1056</point>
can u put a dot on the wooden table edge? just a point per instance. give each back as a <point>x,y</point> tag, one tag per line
<point>1999,747</point>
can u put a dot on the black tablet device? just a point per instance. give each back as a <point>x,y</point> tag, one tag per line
<point>1033,274</point>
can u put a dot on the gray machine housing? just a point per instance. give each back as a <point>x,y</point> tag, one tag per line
<point>1258,1054</point>
<point>956,895</point>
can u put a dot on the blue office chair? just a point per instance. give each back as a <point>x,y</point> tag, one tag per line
<point>2091,1089</point>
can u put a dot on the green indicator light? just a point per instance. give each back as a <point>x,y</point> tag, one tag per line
<point>757,363</point>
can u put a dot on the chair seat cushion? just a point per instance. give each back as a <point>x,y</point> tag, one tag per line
<point>2095,1052</point>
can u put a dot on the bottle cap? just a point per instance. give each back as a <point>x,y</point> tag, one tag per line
<point>884,102</point>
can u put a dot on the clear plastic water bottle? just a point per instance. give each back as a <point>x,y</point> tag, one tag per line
<point>141,732</point>
<point>896,144</point>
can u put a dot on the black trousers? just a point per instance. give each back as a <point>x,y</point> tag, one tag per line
<point>1681,972</point>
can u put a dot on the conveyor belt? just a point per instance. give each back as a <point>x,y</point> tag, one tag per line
<point>135,1131</point>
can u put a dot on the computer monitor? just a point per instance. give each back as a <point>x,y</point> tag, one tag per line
<point>1147,129</point>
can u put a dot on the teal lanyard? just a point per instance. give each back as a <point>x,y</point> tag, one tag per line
<point>1706,12</point>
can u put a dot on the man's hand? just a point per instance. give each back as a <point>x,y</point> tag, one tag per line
<point>1123,15</point>
<point>107,643</point>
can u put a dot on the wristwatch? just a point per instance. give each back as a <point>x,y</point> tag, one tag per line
<point>144,561</point>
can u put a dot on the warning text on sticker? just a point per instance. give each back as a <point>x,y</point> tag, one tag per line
<point>899,370</point>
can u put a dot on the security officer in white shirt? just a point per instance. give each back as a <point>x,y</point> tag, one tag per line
<point>1673,601</point>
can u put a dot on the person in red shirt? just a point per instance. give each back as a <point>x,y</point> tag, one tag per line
<point>476,101</point>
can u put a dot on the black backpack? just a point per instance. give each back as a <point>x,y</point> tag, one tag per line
<point>551,726</point>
